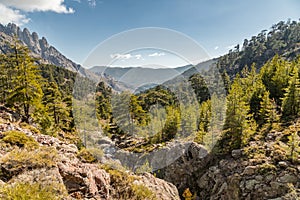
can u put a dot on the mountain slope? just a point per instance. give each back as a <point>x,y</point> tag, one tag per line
<point>139,77</point>
<point>39,47</point>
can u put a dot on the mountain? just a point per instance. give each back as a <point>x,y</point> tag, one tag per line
<point>47,54</point>
<point>38,46</point>
<point>138,78</point>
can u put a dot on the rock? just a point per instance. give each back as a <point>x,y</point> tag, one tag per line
<point>288,178</point>
<point>259,178</point>
<point>250,170</point>
<point>236,153</point>
<point>276,188</point>
<point>282,164</point>
<point>161,188</point>
<point>269,178</point>
<point>250,184</point>
<point>87,179</point>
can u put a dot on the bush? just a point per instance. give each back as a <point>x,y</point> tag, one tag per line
<point>266,168</point>
<point>124,187</point>
<point>19,139</point>
<point>20,160</point>
<point>27,191</point>
<point>90,155</point>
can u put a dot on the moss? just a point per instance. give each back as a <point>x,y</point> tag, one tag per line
<point>19,139</point>
<point>27,191</point>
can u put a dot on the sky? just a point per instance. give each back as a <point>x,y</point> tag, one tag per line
<point>77,27</point>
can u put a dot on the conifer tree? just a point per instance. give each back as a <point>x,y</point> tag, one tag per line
<point>237,116</point>
<point>25,94</point>
<point>291,100</point>
<point>267,113</point>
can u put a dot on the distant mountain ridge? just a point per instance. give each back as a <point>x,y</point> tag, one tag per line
<point>140,77</point>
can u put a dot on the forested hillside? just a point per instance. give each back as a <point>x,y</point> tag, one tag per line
<point>249,131</point>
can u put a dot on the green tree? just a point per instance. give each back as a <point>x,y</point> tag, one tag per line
<point>291,100</point>
<point>26,93</point>
<point>238,124</point>
<point>55,106</point>
<point>267,113</point>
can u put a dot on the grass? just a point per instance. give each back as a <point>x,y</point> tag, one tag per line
<point>25,191</point>
<point>20,160</point>
<point>19,139</point>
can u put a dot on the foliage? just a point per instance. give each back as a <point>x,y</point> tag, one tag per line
<point>90,155</point>
<point>125,188</point>
<point>34,191</point>
<point>282,39</point>
<point>22,81</point>
<point>22,159</point>
<point>20,139</point>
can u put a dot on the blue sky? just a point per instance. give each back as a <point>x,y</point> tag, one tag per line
<point>75,27</point>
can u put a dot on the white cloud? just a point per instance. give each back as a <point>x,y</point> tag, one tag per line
<point>8,15</point>
<point>15,10</point>
<point>38,5</point>
<point>156,54</point>
<point>138,56</point>
<point>92,3</point>
<point>126,56</point>
<point>216,47</point>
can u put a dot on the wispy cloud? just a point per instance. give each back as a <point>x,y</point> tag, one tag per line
<point>216,47</point>
<point>92,3</point>
<point>156,54</point>
<point>57,6</point>
<point>126,56</point>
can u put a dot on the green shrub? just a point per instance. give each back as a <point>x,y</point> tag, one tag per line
<point>20,160</point>
<point>25,191</point>
<point>266,168</point>
<point>19,139</point>
<point>124,187</point>
<point>30,128</point>
<point>142,192</point>
<point>85,155</point>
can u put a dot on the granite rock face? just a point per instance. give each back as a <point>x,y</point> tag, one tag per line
<point>71,177</point>
<point>39,47</point>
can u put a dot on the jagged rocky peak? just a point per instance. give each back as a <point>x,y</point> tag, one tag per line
<point>39,47</point>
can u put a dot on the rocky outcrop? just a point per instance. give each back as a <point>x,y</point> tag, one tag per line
<point>57,164</point>
<point>164,190</point>
<point>245,174</point>
<point>39,47</point>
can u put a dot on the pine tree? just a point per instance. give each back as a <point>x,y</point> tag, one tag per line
<point>238,120</point>
<point>25,94</point>
<point>267,113</point>
<point>291,100</point>
<point>55,106</point>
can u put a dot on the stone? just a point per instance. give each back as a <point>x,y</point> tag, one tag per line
<point>249,185</point>
<point>288,178</point>
<point>161,188</point>
<point>85,177</point>
<point>259,178</point>
<point>282,164</point>
<point>250,170</point>
<point>236,153</point>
